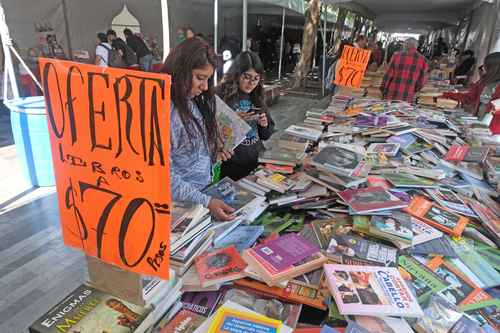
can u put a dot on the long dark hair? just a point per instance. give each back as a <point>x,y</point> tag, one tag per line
<point>193,53</point>
<point>492,64</point>
<point>229,88</point>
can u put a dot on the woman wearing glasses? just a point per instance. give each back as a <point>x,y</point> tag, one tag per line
<point>242,89</point>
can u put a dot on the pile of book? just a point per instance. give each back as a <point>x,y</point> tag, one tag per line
<point>369,216</point>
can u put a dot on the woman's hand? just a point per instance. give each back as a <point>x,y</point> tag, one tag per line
<point>225,155</point>
<point>246,116</point>
<point>263,120</point>
<point>220,210</point>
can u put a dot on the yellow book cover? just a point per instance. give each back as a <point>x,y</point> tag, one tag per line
<point>231,321</point>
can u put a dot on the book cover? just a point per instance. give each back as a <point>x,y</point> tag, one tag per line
<point>292,293</point>
<point>373,291</point>
<point>383,324</point>
<point>355,250</point>
<point>437,216</point>
<point>202,303</point>
<point>406,180</point>
<point>388,149</point>
<point>281,156</point>
<point>228,320</point>
<point>232,128</point>
<point>285,251</point>
<point>275,181</point>
<point>184,322</point>
<point>459,153</point>
<point>398,226</point>
<point>339,159</point>
<point>231,193</point>
<point>485,313</point>
<point>242,237</point>
<point>456,153</point>
<point>219,266</point>
<point>276,222</point>
<point>461,290</point>
<point>425,282</point>
<point>404,140</point>
<point>304,132</point>
<point>89,310</point>
<point>371,199</point>
<point>288,141</point>
<point>416,148</point>
<point>439,246</point>
<point>325,229</point>
<point>449,199</point>
<point>371,121</point>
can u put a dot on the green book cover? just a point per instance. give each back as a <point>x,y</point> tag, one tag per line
<point>425,281</point>
<point>361,224</point>
<point>275,222</point>
<point>324,229</point>
<point>406,180</point>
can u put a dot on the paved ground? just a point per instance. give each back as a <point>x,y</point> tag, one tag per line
<point>36,269</point>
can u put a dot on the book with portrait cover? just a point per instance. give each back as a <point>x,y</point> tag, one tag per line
<point>232,128</point>
<point>342,159</point>
<point>184,322</point>
<point>231,193</point>
<point>89,310</point>
<point>397,227</point>
<point>461,290</point>
<point>437,216</point>
<point>371,291</point>
<point>371,199</point>
<point>221,265</point>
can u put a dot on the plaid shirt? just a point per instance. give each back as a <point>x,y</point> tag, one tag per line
<point>405,76</point>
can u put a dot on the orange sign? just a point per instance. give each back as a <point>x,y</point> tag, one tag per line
<point>352,67</point>
<point>110,138</point>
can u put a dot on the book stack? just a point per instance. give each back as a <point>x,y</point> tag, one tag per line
<point>370,216</point>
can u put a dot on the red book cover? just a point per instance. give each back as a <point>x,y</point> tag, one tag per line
<point>220,266</point>
<point>456,153</point>
<point>184,322</point>
<point>279,168</point>
<point>371,199</point>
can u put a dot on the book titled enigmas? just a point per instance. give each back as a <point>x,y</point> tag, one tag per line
<point>373,291</point>
<point>89,310</point>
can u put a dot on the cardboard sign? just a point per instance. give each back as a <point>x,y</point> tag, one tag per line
<point>110,138</point>
<point>352,67</point>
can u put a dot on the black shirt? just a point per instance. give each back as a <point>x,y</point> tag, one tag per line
<point>138,45</point>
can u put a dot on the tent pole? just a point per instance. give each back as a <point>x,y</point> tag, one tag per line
<point>216,37</point>
<point>245,26</point>
<point>66,28</point>
<point>9,75</point>
<point>280,65</point>
<point>166,29</point>
<point>325,8</point>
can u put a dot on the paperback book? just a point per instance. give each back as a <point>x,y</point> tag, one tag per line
<point>340,159</point>
<point>397,227</point>
<point>220,266</point>
<point>405,180</point>
<point>231,193</point>
<point>371,199</point>
<point>388,149</point>
<point>232,128</point>
<point>184,322</point>
<point>373,291</point>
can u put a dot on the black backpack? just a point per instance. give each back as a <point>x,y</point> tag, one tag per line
<point>114,57</point>
<point>129,57</point>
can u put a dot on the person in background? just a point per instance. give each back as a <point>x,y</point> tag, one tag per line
<point>180,36</point>
<point>102,50</point>
<point>189,33</point>
<point>194,138</point>
<point>378,54</point>
<point>128,56</point>
<point>464,68</point>
<point>242,89</point>
<point>144,55</point>
<point>406,74</point>
<point>480,95</point>
<point>361,42</point>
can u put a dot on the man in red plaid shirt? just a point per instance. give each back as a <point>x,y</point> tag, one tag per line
<point>406,74</point>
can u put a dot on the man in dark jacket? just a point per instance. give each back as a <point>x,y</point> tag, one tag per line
<point>140,48</point>
<point>128,55</point>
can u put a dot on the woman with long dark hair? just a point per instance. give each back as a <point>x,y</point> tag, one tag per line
<point>242,89</point>
<point>194,139</point>
<point>478,98</point>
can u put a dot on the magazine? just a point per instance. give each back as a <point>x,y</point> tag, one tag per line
<point>232,128</point>
<point>373,291</point>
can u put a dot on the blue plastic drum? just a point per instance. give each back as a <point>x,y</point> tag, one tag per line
<point>31,135</point>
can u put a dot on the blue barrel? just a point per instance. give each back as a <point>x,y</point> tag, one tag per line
<point>31,136</point>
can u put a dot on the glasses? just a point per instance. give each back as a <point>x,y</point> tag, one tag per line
<point>249,78</point>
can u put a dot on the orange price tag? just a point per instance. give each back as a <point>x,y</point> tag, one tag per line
<point>352,67</point>
<point>110,138</point>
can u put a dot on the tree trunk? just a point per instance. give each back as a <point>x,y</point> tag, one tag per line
<point>308,39</point>
<point>339,26</point>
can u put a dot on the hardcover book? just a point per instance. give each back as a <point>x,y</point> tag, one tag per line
<point>89,310</point>
<point>232,128</point>
<point>220,266</point>
<point>371,199</point>
<point>373,291</point>
<point>231,193</point>
<point>437,216</point>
